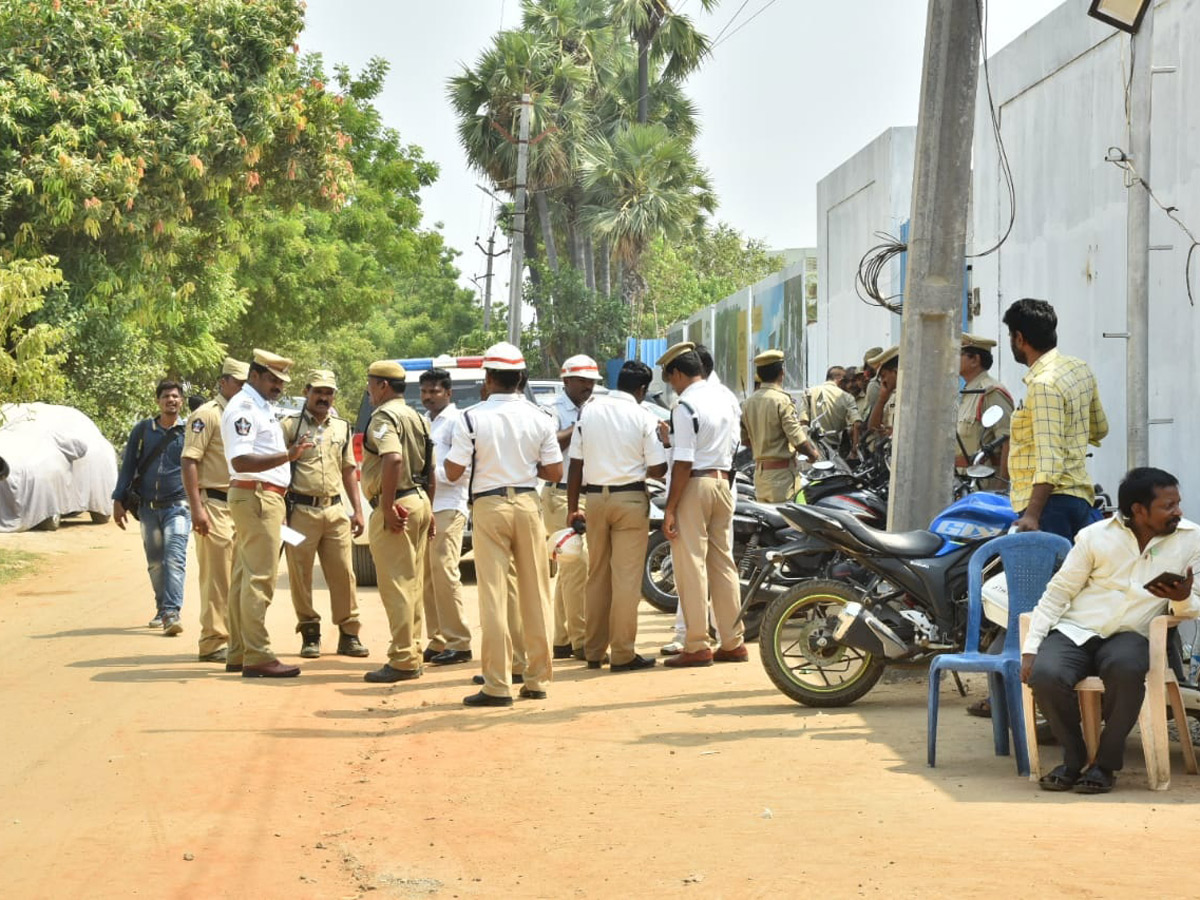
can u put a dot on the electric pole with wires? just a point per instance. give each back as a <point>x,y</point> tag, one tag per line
<point>517,243</point>
<point>923,442</point>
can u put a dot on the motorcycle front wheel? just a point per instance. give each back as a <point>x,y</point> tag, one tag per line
<point>799,652</point>
<point>658,575</point>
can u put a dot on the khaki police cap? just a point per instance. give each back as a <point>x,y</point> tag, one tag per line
<point>884,356</point>
<point>581,366</point>
<point>979,343</point>
<point>387,368</point>
<point>275,364</point>
<point>674,352</point>
<point>767,357</point>
<point>503,357</point>
<point>871,354</point>
<point>235,368</point>
<point>322,378</point>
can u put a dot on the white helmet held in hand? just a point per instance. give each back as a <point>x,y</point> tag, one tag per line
<point>566,545</point>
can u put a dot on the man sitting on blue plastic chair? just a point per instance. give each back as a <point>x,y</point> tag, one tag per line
<point>1094,618</point>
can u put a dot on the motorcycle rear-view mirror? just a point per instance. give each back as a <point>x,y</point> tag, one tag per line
<point>979,473</point>
<point>824,465</point>
<point>991,416</point>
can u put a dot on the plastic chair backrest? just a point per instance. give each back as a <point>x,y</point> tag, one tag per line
<point>1030,559</point>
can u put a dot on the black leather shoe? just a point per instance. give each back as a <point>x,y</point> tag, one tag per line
<point>516,679</point>
<point>450,657</point>
<point>310,640</point>
<point>350,645</point>
<point>385,674</point>
<point>594,664</point>
<point>563,651</point>
<point>233,667</point>
<point>429,654</point>
<point>579,654</point>
<point>638,662</point>
<point>219,655</point>
<point>530,694</point>
<point>482,699</point>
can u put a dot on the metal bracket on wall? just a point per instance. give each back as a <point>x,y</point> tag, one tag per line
<point>1123,335</point>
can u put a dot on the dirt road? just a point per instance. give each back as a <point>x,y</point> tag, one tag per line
<point>130,769</point>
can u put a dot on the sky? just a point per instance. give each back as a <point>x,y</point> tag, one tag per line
<point>792,90</point>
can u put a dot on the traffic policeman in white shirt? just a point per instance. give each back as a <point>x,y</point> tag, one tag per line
<point>259,473</point>
<point>510,444</point>
<point>614,449</point>
<point>699,511</point>
<point>1094,619</point>
<point>445,623</point>
<point>579,377</point>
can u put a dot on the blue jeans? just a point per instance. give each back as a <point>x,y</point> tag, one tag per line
<point>165,538</point>
<point>1065,515</point>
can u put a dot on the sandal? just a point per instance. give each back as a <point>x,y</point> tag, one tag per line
<point>1060,778</point>
<point>981,708</point>
<point>1096,781</point>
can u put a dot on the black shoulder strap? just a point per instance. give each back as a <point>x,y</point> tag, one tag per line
<point>692,412</point>
<point>471,477</point>
<point>144,465</point>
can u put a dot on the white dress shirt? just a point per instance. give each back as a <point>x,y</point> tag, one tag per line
<point>712,446</point>
<point>449,494</point>
<point>512,437</point>
<point>565,411</point>
<point>1098,591</point>
<point>248,427</point>
<point>617,440</point>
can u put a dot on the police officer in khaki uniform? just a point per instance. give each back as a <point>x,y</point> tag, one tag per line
<point>397,461</point>
<point>833,412</point>
<point>580,375</point>
<point>509,444</point>
<point>319,477</point>
<point>981,392</point>
<point>870,393</point>
<point>883,413</point>
<point>614,449</point>
<point>206,480</point>
<point>772,428</point>
<point>699,512</point>
<point>259,472</point>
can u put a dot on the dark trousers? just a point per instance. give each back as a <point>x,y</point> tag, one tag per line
<point>1065,515</point>
<point>1121,661</point>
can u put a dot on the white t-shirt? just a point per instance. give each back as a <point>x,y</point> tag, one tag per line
<point>248,427</point>
<point>449,494</point>
<point>512,437</point>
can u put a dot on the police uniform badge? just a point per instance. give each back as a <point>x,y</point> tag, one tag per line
<point>241,426</point>
<point>197,425</point>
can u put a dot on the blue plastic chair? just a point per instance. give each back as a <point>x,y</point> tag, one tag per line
<point>1030,559</point>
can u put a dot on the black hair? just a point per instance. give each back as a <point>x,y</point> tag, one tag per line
<point>634,376</point>
<point>506,379</point>
<point>984,356</point>
<point>194,402</point>
<point>832,372</point>
<point>1036,321</point>
<point>167,385</point>
<point>439,377</point>
<point>396,384</point>
<point>893,363</point>
<point>706,359</point>
<point>258,367</point>
<point>1139,486</point>
<point>686,363</point>
<point>770,372</point>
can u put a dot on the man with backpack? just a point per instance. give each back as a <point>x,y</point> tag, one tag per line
<point>150,488</point>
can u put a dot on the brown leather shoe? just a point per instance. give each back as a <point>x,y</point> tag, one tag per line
<point>737,654</point>
<point>272,669</point>
<point>687,660</point>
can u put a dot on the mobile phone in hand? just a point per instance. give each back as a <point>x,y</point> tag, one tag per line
<point>1165,580</point>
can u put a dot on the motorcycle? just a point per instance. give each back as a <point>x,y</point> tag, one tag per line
<point>826,641</point>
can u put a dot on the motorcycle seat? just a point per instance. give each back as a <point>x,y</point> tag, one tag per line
<point>767,512</point>
<point>904,544</point>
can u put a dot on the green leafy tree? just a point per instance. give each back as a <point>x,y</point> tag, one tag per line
<point>30,354</point>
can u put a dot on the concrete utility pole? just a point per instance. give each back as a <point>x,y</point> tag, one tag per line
<point>487,292</point>
<point>1137,254</point>
<point>518,231</point>
<point>923,442</point>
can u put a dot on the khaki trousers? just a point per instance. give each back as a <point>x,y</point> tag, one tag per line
<point>516,631</point>
<point>570,589</point>
<point>326,535</point>
<point>399,563</point>
<point>445,624</point>
<point>774,485</point>
<point>618,529</point>
<point>257,515</point>
<point>704,567</point>
<point>214,554</point>
<point>508,532</point>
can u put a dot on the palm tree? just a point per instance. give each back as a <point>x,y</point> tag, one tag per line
<point>661,33</point>
<point>642,184</point>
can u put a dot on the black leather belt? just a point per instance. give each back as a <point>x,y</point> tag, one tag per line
<point>407,492</point>
<point>616,488</point>
<point>214,494</point>
<point>562,486</point>
<point>502,492</point>
<point>307,500</point>
<point>165,504</point>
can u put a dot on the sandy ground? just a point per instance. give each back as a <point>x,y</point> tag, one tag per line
<point>130,769</point>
